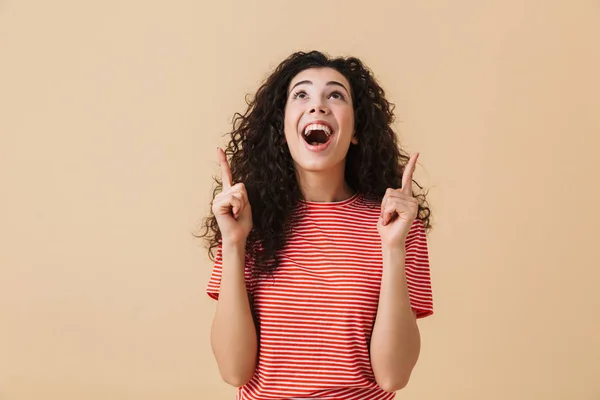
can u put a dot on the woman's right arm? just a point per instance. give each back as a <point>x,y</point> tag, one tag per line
<point>233,335</point>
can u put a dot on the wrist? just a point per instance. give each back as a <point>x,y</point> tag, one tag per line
<point>394,248</point>
<point>234,245</point>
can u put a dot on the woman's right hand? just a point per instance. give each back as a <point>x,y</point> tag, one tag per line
<point>231,207</point>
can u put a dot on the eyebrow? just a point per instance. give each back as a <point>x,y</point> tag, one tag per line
<point>330,83</point>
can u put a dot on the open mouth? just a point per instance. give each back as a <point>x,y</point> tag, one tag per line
<point>316,134</point>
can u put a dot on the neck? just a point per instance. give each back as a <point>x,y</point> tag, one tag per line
<point>320,186</point>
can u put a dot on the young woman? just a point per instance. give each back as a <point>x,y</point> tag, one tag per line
<point>319,244</point>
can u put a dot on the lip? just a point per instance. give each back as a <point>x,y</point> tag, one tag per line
<point>319,147</point>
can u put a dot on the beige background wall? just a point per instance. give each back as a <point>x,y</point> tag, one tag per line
<point>109,116</point>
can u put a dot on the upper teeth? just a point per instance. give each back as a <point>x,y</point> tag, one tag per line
<point>315,127</point>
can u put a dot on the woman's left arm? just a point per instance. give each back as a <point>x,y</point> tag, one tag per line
<point>395,341</point>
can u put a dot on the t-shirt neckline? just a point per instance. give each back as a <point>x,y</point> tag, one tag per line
<point>331,204</point>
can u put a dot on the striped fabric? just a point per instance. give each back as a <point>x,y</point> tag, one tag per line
<point>317,312</point>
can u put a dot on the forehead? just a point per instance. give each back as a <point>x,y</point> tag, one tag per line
<point>320,77</point>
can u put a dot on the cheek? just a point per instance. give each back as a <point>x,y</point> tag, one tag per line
<point>347,119</point>
<point>290,122</point>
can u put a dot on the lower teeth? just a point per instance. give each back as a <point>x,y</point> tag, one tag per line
<point>315,143</point>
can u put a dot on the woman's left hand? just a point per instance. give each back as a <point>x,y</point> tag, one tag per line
<point>398,209</point>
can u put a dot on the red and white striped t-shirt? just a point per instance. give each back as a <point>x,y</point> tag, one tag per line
<point>317,312</point>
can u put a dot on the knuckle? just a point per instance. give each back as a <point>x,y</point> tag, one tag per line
<point>239,189</point>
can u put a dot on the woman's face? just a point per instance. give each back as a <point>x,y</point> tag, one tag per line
<point>319,119</point>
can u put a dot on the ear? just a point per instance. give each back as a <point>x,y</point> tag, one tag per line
<point>354,140</point>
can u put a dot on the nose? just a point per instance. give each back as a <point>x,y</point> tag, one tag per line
<point>318,109</point>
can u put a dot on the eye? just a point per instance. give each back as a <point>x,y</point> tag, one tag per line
<point>300,94</point>
<point>337,95</point>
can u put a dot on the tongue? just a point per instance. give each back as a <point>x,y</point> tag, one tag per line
<point>316,137</point>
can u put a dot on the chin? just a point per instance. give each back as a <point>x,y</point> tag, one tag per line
<point>317,165</point>
<point>312,166</point>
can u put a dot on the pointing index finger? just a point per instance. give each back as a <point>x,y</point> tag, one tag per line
<point>407,176</point>
<point>225,170</point>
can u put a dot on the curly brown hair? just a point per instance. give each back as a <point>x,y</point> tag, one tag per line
<point>260,158</point>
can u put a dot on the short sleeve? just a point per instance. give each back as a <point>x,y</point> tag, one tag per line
<point>214,283</point>
<point>418,273</point>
